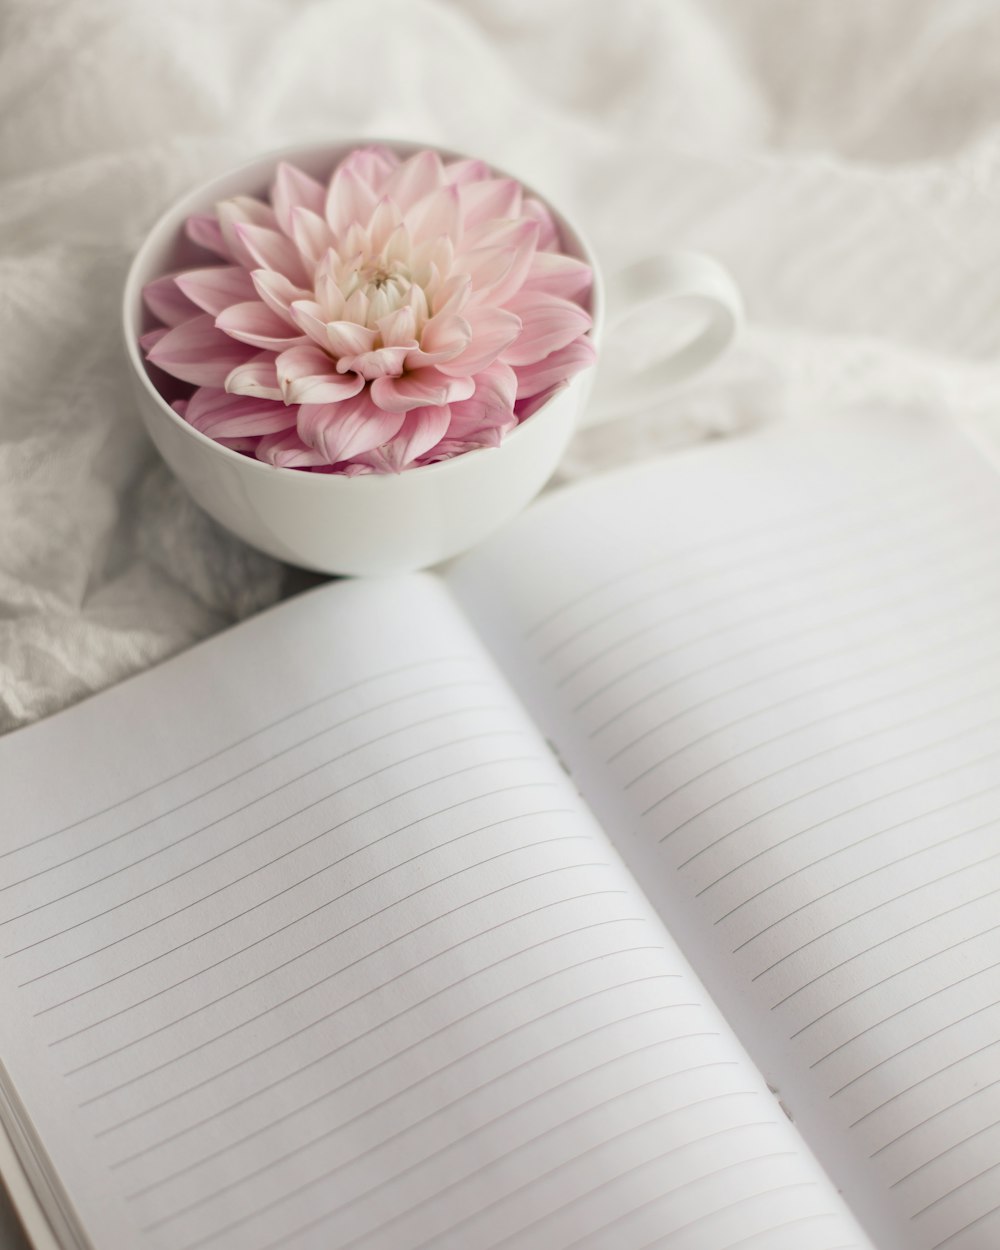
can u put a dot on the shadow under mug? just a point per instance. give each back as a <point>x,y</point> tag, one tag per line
<point>382,523</point>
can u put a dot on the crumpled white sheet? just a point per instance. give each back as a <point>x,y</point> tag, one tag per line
<point>843,160</point>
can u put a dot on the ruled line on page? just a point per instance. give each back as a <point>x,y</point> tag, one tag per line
<point>848,776</point>
<point>912,1046</point>
<point>708,1215</point>
<point>729,1206</point>
<point>965,1228</point>
<point>82,820</point>
<point>332,829</point>
<point>659,1118</point>
<point>292,851</point>
<point>954,1190</point>
<point>301,954</point>
<point>451,1229</point>
<point>136,1154</point>
<point>922,482</point>
<point>946,615</point>
<point>175,1058</point>
<point>113,1128</point>
<point>774,639</point>
<point>164,847</point>
<point>342,1206</point>
<point>170,811</point>
<point>888,697</point>
<point>517,1067</point>
<point>958,1102</point>
<point>697,579</point>
<point>948,1149</point>
<point>855,645</point>
<point>512,1109</point>
<point>769,1232</point>
<point>909,857</point>
<point>664,1193</point>
<point>190,940</point>
<point>849,811</point>
<point>357,924</point>
<point>929,1077</point>
<point>867,912</point>
<point>702,577</point>
<point>893,759</point>
<point>944,950</point>
<point>850,846</point>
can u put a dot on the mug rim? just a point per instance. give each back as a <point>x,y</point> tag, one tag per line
<point>171,220</point>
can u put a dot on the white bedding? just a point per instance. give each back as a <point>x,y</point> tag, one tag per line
<point>843,160</point>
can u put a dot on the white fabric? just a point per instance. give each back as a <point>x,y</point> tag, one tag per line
<point>842,159</point>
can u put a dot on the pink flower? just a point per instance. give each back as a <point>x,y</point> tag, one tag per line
<point>407,312</point>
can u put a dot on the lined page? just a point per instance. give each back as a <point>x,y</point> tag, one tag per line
<point>774,669</point>
<point>308,942</point>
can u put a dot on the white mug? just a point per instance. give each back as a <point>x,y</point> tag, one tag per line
<point>391,523</point>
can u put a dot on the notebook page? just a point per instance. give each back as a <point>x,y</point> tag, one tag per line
<point>774,669</point>
<point>308,942</point>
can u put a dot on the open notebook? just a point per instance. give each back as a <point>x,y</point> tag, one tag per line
<point>634,884</point>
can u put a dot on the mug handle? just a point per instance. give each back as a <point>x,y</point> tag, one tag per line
<point>685,282</point>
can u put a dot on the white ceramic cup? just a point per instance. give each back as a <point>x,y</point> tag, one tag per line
<point>380,523</point>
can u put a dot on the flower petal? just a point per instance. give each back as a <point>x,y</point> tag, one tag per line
<point>489,199</point>
<point>242,210</point>
<point>272,250</point>
<point>372,164</point>
<point>306,376</point>
<point>308,316</point>
<point>257,377</point>
<point>437,214</point>
<point>493,331</point>
<point>385,219</point>
<point>294,189</point>
<point>557,367</point>
<point>490,407</point>
<point>217,287</point>
<point>255,323</point>
<point>548,231</point>
<point>444,337</point>
<point>466,170</point>
<point>453,295</point>
<point>399,328</point>
<point>420,388</point>
<point>167,301</point>
<point>277,292</point>
<point>204,229</point>
<point>559,274</point>
<point>152,337</point>
<point>248,445</point>
<point>338,431</point>
<point>356,309</point>
<point>349,200</point>
<point>222,415</point>
<point>347,338</point>
<point>311,234</point>
<point>548,323</point>
<point>287,451</point>
<point>416,177</point>
<point>498,273</point>
<point>330,298</point>
<point>380,363</point>
<point>197,352</point>
<point>496,233</point>
<point>421,430</point>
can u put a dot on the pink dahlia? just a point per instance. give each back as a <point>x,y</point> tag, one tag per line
<point>407,312</point>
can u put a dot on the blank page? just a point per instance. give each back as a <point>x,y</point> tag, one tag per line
<point>774,668</point>
<point>308,942</point>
